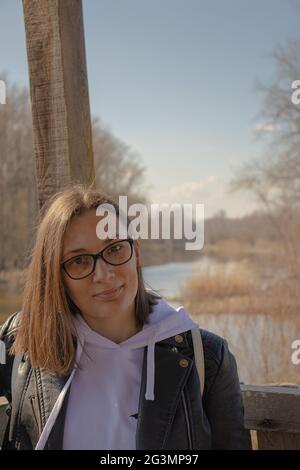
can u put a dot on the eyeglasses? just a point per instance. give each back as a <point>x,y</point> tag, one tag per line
<point>81,266</point>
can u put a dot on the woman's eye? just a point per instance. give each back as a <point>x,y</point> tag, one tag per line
<point>79,260</point>
<point>115,249</point>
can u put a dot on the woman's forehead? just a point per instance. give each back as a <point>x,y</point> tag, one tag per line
<point>88,221</point>
<point>81,233</point>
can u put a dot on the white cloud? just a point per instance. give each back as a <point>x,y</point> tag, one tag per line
<point>265,127</point>
<point>211,191</point>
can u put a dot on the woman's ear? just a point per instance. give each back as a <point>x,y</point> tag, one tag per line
<point>137,250</point>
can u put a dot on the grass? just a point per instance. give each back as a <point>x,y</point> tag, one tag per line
<point>256,306</point>
<point>11,285</point>
<point>231,249</point>
<point>9,303</point>
<point>248,285</point>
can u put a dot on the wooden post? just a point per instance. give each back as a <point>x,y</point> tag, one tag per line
<point>59,94</point>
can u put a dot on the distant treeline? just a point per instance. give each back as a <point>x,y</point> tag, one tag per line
<point>118,172</point>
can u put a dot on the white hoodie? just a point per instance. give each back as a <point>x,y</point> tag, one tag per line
<point>105,388</point>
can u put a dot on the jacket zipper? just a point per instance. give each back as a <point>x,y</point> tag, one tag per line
<point>34,400</point>
<point>35,403</point>
<point>187,419</point>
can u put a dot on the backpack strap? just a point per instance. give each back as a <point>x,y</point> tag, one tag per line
<point>199,356</point>
<point>2,352</point>
<point>15,367</point>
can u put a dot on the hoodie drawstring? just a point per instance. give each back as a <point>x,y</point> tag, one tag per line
<point>150,367</point>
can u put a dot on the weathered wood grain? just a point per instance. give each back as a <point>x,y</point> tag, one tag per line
<point>59,94</point>
<point>274,412</point>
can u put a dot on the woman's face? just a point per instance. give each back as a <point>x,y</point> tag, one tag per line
<point>88,293</point>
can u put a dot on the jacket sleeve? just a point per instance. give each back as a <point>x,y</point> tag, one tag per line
<point>2,364</point>
<point>7,331</point>
<point>224,407</point>
<point>5,374</point>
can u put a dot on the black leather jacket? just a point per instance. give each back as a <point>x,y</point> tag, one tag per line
<point>177,419</point>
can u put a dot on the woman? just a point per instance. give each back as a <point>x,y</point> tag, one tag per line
<point>103,363</point>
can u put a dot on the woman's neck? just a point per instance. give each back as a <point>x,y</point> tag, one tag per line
<point>114,329</point>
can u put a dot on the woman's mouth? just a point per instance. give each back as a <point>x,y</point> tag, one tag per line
<point>110,294</point>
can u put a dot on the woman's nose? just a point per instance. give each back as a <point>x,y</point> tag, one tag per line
<point>103,271</point>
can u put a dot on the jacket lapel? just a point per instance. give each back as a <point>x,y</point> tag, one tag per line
<point>155,417</point>
<point>51,386</point>
<point>21,382</point>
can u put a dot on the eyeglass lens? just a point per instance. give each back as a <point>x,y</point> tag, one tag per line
<point>82,265</point>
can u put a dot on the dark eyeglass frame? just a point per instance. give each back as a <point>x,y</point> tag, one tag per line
<point>98,255</point>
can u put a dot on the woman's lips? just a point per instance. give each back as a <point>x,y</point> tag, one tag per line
<point>109,294</point>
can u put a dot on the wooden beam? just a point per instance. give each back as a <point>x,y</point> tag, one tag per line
<point>272,408</point>
<point>59,94</point>
<point>274,412</point>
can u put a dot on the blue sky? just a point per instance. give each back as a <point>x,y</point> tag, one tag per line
<point>174,79</point>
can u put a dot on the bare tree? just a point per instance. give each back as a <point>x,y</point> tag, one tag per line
<point>275,178</point>
<point>117,167</point>
<point>17,186</point>
<point>118,172</point>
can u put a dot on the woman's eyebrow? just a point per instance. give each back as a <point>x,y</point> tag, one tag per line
<point>77,250</point>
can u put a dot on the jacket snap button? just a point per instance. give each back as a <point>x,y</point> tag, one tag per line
<point>178,339</point>
<point>183,363</point>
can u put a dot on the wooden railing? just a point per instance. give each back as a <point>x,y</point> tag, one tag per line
<point>272,416</point>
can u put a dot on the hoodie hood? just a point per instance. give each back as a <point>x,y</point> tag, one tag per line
<point>164,321</point>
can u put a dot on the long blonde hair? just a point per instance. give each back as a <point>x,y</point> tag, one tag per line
<point>45,330</point>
